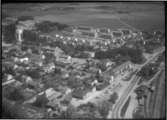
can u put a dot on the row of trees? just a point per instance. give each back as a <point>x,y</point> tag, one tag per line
<point>9,33</point>
<point>48,26</point>
<point>134,55</point>
<point>148,71</point>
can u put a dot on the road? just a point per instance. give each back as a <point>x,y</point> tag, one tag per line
<point>116,110</point>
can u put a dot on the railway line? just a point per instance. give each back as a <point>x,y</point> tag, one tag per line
<point>115,113</point>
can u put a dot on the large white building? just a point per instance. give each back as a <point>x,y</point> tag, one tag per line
<point>23,25</point>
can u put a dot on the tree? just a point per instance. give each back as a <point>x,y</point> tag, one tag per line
<point>148,71</point>
<point>69,113</point>
<point>90,107</point>
<point>33,73</point>
<point>4,15</point>
<point>24,18</point>
<point>41,101</point>
<point>48,26</point>
<point>104,108</point>
<point>139,113</point>
<point>9,33</point>
<point>16,95</point>
<point>133,54</point>
<point>30,37</point>
<point>74,83</point>
<point>78,93</point>
<point>113,97</point>
<point>141,91</point>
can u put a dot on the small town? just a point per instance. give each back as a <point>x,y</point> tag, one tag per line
<point>56,70</point>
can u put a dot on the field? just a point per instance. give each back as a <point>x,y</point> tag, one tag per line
<point>142,16</point>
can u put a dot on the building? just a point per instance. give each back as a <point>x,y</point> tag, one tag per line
<point>84,28</point>
<point>23,25</point>
<point>104,36</point>
<point>53,97</point>
<point>104,30</point>
<point>51,94</point>
<point>29,24</point>
<point>49,68</point>
<point>90,54</point>
<point>126,32</point>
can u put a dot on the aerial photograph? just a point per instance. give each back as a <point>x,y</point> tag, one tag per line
<point>83,60</point>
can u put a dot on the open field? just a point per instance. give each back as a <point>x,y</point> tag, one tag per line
<point>143,16</point>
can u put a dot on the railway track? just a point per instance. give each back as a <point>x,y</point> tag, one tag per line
<point>116,110</point>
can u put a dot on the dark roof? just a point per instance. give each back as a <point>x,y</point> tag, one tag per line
<point>84,28</point>
<point>117,34</point>
<point>69,29</point>
<point>105,36</point>
<point>103,30</point>
<point>90,34</point>
<point>126,32</point>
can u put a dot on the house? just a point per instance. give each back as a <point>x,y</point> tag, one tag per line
<point>12,82</point>
<point>58,51</point>
<point>88,34</point>
<point>53,96</point>
<point>8,82</point>
<point>84,28</point>
<point>49,68</point>
<point>104,30</point>
<point>90,54</point>
<point>104,36</point>
<point>24,60</point>
<point>126,33</point>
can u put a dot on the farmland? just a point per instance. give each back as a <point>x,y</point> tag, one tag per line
<point>140,16</point>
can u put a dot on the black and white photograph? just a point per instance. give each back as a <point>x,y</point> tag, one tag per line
<point>83,60</point>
